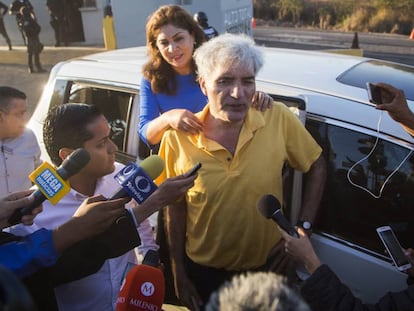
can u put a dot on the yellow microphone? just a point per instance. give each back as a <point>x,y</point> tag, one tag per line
<point>51,183</point>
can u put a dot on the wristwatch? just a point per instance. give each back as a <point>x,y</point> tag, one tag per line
<point>305,225</point>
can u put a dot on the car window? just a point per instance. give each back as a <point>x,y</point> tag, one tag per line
<point>398,75</point>
<point>350,213</point>
<point>115,105</point>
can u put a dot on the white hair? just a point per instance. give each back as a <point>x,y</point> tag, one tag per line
<point>260,291</point>
<point>228,49</point>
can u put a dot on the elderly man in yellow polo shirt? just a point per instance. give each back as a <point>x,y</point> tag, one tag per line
<point>216,231</point>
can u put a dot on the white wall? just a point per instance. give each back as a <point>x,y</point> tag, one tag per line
<point>92,23</point>
<point>130,17</point>
<point>46,34</point>
<point>91,18</point>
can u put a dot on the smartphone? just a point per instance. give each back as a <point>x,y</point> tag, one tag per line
<point>194,169</point>
<point>374,93</point>
<point>394,248</point>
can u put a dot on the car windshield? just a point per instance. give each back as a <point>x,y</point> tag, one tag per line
<point>400,76</point>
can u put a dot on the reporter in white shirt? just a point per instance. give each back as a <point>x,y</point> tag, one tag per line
<point>67,128</point>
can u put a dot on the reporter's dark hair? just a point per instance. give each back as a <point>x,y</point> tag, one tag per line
<point>65,126</point>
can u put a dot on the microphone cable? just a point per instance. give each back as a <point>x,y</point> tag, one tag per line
<point>348,175</point>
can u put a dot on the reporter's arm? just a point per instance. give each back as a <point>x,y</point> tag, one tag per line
<point>301,249</point>
<point>28,254</point>
<point>93,216</point>
<point>396,106</point>
<point>42,248</point>
<point>167,193</point>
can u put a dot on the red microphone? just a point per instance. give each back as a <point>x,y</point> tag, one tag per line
<point>143,287</point>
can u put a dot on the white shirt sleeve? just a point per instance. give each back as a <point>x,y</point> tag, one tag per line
<point>146,235</point>
<point>145,231</point>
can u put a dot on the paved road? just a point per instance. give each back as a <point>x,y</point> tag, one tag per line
<point>391,47</point>
<point>396,48</point>
<point>18,77</point>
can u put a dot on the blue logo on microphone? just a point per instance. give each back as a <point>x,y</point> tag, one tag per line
<point>136,182</point>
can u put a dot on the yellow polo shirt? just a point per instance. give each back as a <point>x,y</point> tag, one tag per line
<point>224,228</point>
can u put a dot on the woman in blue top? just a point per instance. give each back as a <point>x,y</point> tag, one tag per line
<point>170,94</point>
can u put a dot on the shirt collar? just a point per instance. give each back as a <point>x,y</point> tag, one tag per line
<point>254,120</point>
<point>80,196</point>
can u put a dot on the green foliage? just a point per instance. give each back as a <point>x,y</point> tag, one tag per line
<point>265,9</point>
<point>290,9</point>
<point>395,16</point>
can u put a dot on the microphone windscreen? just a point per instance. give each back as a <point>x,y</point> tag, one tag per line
<point>152,166</point>
<point>268,205</point>
<point>143,289</point>
<point>76,161</point>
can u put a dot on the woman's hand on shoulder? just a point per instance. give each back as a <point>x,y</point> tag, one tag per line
<point>184,120</point>
<point>262,101</point>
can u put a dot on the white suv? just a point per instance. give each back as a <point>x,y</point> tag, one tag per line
<point>328,93</point>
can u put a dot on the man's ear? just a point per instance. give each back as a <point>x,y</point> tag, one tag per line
<point>202,83</point>
<point>64,153</point>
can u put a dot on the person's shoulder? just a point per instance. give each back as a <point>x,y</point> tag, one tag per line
<point>173,137</point>
<point>279,114</point>
<point>29,132</point>
<point>277,109</point>
<point>30,136</point>
<point>281,109</point>
<point>145,84</point>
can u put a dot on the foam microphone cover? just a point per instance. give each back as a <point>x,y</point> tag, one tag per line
<point>143,288</point>
<point>152,166</point>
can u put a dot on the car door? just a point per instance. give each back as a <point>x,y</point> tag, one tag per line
<point>360,161</point>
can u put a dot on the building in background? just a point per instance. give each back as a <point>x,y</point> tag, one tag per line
<point>84,19</point>
<point>130,16</point>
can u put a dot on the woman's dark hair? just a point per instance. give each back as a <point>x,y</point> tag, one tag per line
<point>157,70</point>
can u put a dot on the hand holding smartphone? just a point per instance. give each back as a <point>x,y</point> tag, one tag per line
<point>193,170</point>
<point>378,95</point>
<point>394,248</point>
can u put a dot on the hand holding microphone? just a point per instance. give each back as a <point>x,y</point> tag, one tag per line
<point>137,182</point>
<point>301,250</point>
<point>269,206</point>
<point>9,204</point>
<point>144,286</point>
<point>51,183</point>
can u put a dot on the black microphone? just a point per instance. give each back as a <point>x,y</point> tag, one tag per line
<point>269,206</point>
<point>50,183</point>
